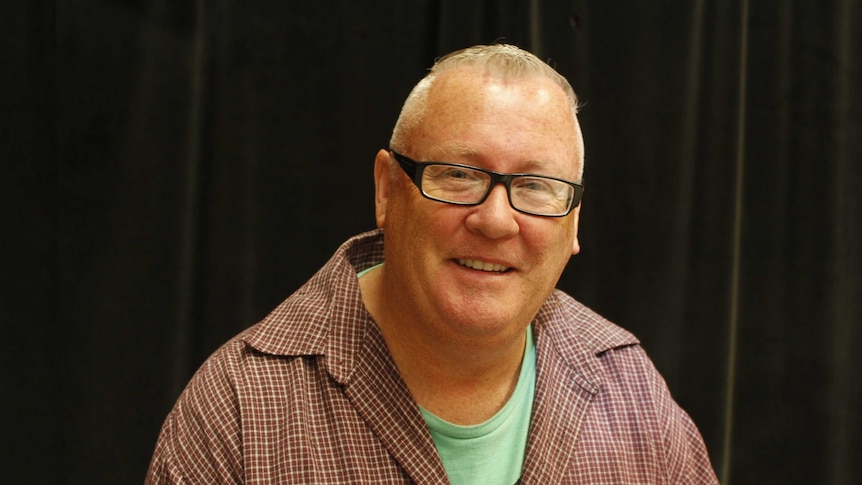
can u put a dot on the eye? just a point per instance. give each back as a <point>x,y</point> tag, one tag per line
<point>450,174</point>
<point>536,185</point>
<point>459,173</point>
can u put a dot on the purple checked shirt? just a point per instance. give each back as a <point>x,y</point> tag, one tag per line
<point>311,395</point>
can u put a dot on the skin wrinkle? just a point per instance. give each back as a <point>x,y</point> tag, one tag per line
<point>505,100</point>
<point>501,74</point>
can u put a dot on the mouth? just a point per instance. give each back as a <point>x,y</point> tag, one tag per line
<point>483,266</point>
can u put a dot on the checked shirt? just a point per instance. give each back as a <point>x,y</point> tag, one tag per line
<point>311,395</point>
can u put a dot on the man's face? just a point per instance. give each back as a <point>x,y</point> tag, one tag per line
<point>484,270</point>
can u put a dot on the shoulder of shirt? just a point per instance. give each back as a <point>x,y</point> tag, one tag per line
<point>570,322</point>
<point>302,324</point>
<point>582,338</point>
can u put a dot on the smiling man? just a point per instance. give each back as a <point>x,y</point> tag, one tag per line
<point>437,349</point>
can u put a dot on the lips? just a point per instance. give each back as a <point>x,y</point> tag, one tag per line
<point>483,266</point>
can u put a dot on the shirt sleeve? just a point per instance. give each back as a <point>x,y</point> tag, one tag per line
<point>200,441</point>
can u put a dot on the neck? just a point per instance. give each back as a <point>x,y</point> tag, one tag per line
<point>461,379</point>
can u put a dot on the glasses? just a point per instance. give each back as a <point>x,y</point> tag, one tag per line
<point>458,184</point>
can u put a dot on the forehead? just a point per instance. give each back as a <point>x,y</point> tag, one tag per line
<point>470,110</point>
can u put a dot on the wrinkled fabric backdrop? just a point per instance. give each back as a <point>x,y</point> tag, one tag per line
<point>173,170</point>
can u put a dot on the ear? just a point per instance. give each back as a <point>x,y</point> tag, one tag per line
<point>576,246</point>
<point>382,185</point>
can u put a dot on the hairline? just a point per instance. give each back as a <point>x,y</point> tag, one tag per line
<point>502,61</point>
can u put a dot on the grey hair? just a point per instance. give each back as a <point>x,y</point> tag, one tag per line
<point>502,60</point>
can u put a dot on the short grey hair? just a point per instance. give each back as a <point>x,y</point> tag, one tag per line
<point>503,60</point>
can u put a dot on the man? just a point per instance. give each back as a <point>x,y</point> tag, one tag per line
<point>455,359</point>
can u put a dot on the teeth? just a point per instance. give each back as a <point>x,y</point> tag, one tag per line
<point>472,263</point>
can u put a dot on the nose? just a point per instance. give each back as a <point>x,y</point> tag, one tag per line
<point>494,218</point>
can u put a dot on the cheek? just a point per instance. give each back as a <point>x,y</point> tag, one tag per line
<point>549,232</point>
<point>431,219</point>
<point>414,222</point>
<point>551,243</point>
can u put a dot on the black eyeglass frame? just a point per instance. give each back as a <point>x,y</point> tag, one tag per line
<point>414,170</point>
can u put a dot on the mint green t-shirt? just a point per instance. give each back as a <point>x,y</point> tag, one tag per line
<point>491,452</point>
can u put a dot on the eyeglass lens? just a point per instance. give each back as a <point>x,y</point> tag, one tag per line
<point>463,185</point>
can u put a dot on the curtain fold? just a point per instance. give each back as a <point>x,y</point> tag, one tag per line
<point>801,259</point>
<point>660,115</point>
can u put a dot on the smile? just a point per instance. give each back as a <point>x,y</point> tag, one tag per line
<point>490,267</point>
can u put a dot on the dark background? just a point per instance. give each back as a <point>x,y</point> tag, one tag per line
<point>174,169</point>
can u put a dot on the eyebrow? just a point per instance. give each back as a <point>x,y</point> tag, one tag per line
<point>529,166</point>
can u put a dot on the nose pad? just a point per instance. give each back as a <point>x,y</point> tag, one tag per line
<point>494,218</point>
<point>498,195</point>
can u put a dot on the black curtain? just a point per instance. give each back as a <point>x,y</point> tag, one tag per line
<point>173,170</point>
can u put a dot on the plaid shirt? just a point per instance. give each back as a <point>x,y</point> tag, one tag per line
<point>311,395</point>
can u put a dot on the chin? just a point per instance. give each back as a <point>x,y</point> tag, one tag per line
<point>485,324</point>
